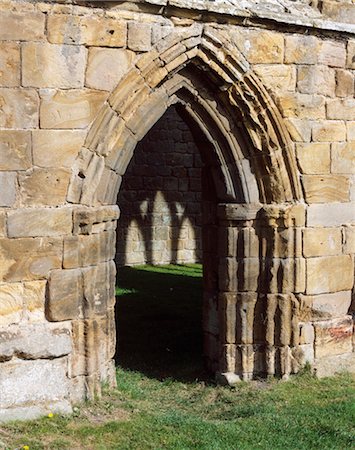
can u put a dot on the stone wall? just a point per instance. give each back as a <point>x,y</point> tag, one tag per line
<point>160,198</point>
<point>268,91</point>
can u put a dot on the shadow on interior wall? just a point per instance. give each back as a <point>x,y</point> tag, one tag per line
<point>160,198</point>
<point>159,322</point>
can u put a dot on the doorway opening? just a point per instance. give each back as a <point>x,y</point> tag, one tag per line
<point>160,253</point>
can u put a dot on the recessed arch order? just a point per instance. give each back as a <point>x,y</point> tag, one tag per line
<point>213,83</point>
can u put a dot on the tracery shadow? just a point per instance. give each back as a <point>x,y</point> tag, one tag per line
<point>159,323</point>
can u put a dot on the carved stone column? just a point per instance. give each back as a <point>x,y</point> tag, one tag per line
<point>261,270</point>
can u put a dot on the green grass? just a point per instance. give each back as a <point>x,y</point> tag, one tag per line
<point>164,399</point>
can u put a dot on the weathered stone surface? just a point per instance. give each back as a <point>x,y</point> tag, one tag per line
<point>26,26</point>
<point>35,341</point>
<point>19,108</point>
<point>350,126</point>
<point>329,131</point>
<point>34,222</point>
<point>106,67</point>
<point>329,274</point>
<point>326,188</point>
<point>332,54</point>
<point>350,59</point>
<point>65,295</point>
<point>261,47</point>
<point>70,109</point>
<point>31,382</point>
<point>139,36</point>
<point>33,300</point>
<point>316,80</point>
<point>29,259</point>
<point>343,157</point>
<point>330,305</point>
<point>333,337</point>
<point>322,242</point>
<point>15,150</point>
<point>8,182</point>
<point>332,214</point>
<point>314,158</point>
<point>306,333</point>
<point>56,148</point>
<point>36,411</point>
<point>9,64</point>
<point>302,106</point>
<point>300,129</point>
<point>344,83</point>
<point>2,224</point>
<point>349,239</point>
<point>341,109</point>
<point>11,303</point>
<point>301,49</point>
<point>53,66</point>
<point>88,30</point>
<point>330,365</point>
<point>277,77</point>
<point>56,182</point>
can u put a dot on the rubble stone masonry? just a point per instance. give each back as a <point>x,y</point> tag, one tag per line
<point>267,91</point>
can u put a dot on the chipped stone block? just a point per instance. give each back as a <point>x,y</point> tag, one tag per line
<point>53,66</point>
<point>306,335</point>
<point>344,83</point>
<point>350,57</point>
<point>331,305</point>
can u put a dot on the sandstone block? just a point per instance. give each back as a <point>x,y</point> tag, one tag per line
<point>8,182</point>
<point>33,382</point>
<point>9,64</point>
<point>333,337</point>
<point>322,242</point>
<point>350,56</point>
<point>106,67</point>
<point>332,54</point>
<point>15,150</point>
<point>139,36</point>
<point>11,303</point>
<point>55,181</point>
<point>301,49</point>
<point>339,11</point>
<point>314,158</point>
<point>306,333</point>
<point>261,47</point>
<point>350,127</point>
<point>343,157</point>
<point>277,77</point>
<point>19,108</point>
<point>326,188</point>
<point>329,274</point>
<point>330,305</point>
<point>53,66</point>
<point>300,130</point>
<point>316,80</point>
<point>65,295</point>
<point>302,106</point>
<point>344,83</point>
<point>331,214</point>
<point>34,293</point>
<point>29,259</point>
<point>34,222</point>
<point>328,366</point>
<point>329,131</point>
<point>349,239</point>
<point>341,109</point>
<point>2,224</point>
<point>56,148</point>
<point>27,26</point>
<point>35,341</point>
<point>71,108</point>
<point>88,30</point>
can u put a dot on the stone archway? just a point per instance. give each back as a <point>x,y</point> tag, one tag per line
<point>251,320</point>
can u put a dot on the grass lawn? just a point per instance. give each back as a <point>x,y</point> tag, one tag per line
<point>165,400</point>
